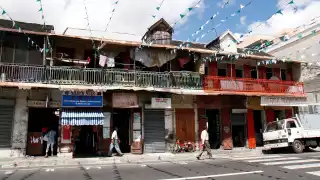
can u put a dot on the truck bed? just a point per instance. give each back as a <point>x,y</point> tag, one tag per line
<point>311,133</point>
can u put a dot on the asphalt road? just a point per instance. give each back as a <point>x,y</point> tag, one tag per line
<point>265,167</point>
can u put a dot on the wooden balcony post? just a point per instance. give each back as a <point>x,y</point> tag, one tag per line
<point>231,70</point>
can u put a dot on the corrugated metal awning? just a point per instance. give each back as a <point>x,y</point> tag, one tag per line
<point>81,117</point>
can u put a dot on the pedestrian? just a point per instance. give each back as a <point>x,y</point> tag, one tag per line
<point>205,143</point>
<point>50,137</point>
<point>115,143</point>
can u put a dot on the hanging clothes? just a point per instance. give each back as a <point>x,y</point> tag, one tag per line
<point>153,57</point>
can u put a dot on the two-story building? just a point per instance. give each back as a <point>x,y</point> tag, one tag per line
<point>154,91</point>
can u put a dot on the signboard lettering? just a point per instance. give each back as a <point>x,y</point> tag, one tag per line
<point>283,101</point>
<point>82,101</point>
<point>161,103</point>
<point>124,100</point>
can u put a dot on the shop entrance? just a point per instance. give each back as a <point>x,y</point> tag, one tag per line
<point>86,141</point>
<point>239,130</point>
<point>258,127</point>
<point>121,120</point>
<point>40,121</point>
<point>214,128</point>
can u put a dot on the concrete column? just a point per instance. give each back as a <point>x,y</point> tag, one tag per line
<point>20,125</point>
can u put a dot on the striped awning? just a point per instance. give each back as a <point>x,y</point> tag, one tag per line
<point>77,117</point>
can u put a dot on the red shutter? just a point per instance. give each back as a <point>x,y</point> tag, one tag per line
<point>213,69</point>
<point>231,70</point>
<point>251,132</point>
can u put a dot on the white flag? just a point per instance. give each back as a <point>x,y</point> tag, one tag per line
<point>241,6</point>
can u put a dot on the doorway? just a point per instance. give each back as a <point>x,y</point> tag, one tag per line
<point>86,140</point>
<point>214,128</point>
<point>257,114</point>
<point>40,121</point>
<point>239,129</point>
<point>121,120</point>
<point>185,125</point>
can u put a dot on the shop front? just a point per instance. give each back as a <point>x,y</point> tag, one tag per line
<point>126,116</point>
<point>184,117</point>
<point>154,125</point>
<point>82,122</point>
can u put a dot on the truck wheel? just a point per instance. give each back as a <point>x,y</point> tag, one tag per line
<point>297,146</point>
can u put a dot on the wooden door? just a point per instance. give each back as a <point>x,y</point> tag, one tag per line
<point>185,124</point>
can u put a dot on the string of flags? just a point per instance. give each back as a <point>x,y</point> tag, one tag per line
<point>44,21</point>
<point>107,26</point>
<point>17,27</point>
<point>286,37</point>
<point>203,25</point>
<point>280,11</point>
<point>158,9</point>
<point>242,7</point>
<point>89,27</point>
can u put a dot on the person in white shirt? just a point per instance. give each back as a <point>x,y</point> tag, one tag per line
<point>205,143</point>
<point>115,143</point>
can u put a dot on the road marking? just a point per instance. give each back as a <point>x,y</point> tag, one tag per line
<point>273,159</point>
<point>8,172</point>
<point>303,166</point>
<point>182,163</point>
<point>87,168</point>
<point>99,167</point>
<point>291,162</point>
<point>255,157</point>
<point>143,165</point>
<point>215,175</point>
<point>316,173</point>
<point>49,170</point>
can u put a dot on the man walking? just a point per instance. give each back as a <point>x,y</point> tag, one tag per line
<point>205,143</point>
<point>115,143</point>
<point>50,137</point>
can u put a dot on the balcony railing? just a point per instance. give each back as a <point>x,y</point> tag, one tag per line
<point>214,83</point>
<point>99,77</point>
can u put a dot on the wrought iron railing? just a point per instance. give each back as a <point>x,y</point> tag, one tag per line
<point>104,77</point>
<point>215,83</point>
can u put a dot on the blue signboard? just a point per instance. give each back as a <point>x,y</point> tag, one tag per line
<point>81,101</point>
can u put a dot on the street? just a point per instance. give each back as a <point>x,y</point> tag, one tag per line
<point>273,166</point>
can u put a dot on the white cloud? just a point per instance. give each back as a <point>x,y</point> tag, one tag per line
<point>243,20</point>
<point>306,11</point>
<point>130,17</point>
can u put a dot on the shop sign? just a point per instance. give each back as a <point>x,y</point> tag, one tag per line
<point>82,101</point>
<point>283,101</point>
<point>162,103</point>
<point>43,104</point>
<point>124,100</point>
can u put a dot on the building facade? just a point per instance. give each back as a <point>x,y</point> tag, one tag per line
<point>154,92</point>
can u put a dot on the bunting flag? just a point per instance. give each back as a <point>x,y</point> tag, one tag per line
<point>44,22</point>
<point>158,9</point>
<point>16,26</point>
<point>108,23</point>
<point>223,21</point>
<point>88,25</point>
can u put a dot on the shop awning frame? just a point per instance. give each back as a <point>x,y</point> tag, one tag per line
<point>76,117</point>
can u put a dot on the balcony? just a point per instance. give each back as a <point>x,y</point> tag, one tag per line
<point>57,75</point>
<point>249,86</point>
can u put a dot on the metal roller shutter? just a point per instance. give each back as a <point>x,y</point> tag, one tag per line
<point>154,131</point>
<point>238,119</point>
<point>6,120</point>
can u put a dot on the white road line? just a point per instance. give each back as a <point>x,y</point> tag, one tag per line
<point>215,175</point>
<point>8,172</point>
<point>316,173</point>
<point>273,159</point>
<point>255,157</point>
<point>291,162</point>
<point>303,166</point>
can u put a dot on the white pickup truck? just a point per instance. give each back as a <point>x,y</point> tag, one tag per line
<point>300,132</point>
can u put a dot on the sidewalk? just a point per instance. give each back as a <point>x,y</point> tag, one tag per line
<point>127,158</point>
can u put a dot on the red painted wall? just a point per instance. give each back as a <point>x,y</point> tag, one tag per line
<point>289,113</point>
<point>213,69</point>
<point>270,116</point>
<point>251,132</point>
<point>226,129</point>
<point>202,121</point>
<point>247,71</point>
<point>262,72</point>
<point>229,70</point>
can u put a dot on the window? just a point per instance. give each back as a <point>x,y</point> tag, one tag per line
<point>254,73</point>
<point>291,124</point>
<point>269,73</point>
<point>239,73</point>
<point>222,72</point>
<point>283,74</point>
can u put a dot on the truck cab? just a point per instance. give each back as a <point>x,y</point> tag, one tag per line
<point>289,133</point>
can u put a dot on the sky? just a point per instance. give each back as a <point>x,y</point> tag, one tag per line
<point>131,18</point>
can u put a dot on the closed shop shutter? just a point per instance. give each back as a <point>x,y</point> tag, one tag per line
<point>154,131</point>
<point>6,120</point>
